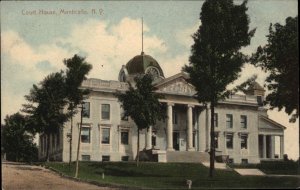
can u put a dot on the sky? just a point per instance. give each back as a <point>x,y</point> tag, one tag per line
<point>37,36</point>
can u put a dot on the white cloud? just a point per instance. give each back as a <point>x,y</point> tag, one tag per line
<point>107,49</point>
<point>184,36</point>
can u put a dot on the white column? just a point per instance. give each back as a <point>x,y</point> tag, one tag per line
<point>264,146</point>
<point>170,127</point>
<point>190,128</point>
<point>149,138</point>
<point>281,146</point>
<point>272,146</point>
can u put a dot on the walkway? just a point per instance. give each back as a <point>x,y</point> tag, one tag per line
<point>22,176</point>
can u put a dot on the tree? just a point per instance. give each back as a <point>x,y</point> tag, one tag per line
<point>216,59</point>
<point>16,140</point>
<point>77,69</point>
<point>46,104</point>
<point>280,57</point>
<point>142,105</point>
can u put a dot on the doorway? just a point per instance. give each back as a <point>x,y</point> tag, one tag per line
<point>176,141</point>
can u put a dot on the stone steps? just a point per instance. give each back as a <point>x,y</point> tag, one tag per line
<point>187,156</point>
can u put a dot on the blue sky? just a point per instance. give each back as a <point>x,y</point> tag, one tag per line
<point>33,46</point>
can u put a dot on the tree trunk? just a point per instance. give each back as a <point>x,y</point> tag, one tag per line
<point>138,148</point>
<point>212,140</point>
<point>71,137</point>
<point>48,147</point>
<point>78,147</point>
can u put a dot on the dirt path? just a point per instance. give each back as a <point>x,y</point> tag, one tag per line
<point>17,176</point>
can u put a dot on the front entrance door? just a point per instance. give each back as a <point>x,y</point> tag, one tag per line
<point>176,140</point>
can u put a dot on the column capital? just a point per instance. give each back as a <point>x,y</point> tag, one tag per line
<point>190,105</point>
<point>170,103</point>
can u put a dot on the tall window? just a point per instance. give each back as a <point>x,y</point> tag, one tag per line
<point>175,117</point>
<point>243,122</point>
<point>86,109</point>
<point>229,120</point>
<point>216,120</point>
<point>229,141</point>
<point>216,140</point>
<point>105,111</point>
<point>244,141</point>
<point>124,137</point>
<point>85,134</point>
<point>105,136</point>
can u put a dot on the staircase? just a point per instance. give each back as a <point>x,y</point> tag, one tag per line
<point>186,156</point>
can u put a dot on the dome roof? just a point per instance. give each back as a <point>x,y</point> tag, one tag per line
<point>139,64</point>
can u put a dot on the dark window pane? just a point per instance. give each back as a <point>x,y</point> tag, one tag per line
<point>105,158</point>
<point>229,141</point>
<point>85,157</point>
<point>105,135</point>
<point>244,139</point>
<point>228,120</point>
<point>243,121</point>
<point>105,111</point>
<point>124,137</point>
<point>85,134</point>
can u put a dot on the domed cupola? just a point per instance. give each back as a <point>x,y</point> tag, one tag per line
<point>139,65</point>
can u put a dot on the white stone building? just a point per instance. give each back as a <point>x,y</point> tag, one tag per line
<point>243,130</point>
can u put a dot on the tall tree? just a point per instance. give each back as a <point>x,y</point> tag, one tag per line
<point>77,69</point>
<point>216,59</point>
<point>280,57</point>
<point>16,140</point>
<point>141,104</point>
<point>46,104</point>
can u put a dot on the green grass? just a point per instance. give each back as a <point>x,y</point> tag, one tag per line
<point>169,175</point>
<point>274,167</point>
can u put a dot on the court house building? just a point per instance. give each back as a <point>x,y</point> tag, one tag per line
<point>244,132</point>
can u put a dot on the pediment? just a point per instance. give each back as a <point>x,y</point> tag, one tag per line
<point>269,124</point>
<point>176,85</point>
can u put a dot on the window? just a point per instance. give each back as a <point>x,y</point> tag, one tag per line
<point>229,120</point>
<point>125,158</point>
<point>243,122</point>
<point>244,143</point>
<point>216,120</point>
<point>105,111</point>
<point>124,137</point>
<point>244,161</point>
<point>153,138</point>
<point>86,109</point>
<point>175,120</point>
<point>85,134</point>
<point>230,161</point>
<point>216,140</point>
<point>85,157</point>
<point>105,158</point>
<point>229,141</point>
<point>105,135</point>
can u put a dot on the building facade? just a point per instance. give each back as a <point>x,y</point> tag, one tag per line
<point>242,128</point>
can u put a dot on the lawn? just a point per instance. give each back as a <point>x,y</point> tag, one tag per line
<point>169,175</point>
